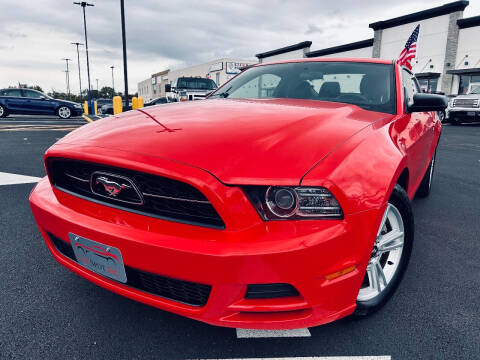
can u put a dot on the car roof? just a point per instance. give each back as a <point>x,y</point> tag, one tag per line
<point>358,60</point>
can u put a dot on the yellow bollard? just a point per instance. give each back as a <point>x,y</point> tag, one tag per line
<point>140,102</point>
<point>134,103</point>
<point>117,105</point>
<point>95,107</point>
<point>85,107</point>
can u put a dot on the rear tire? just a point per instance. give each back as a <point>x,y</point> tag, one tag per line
<point>64,112</point>
<point>390,255</point>
<point>3,112</point>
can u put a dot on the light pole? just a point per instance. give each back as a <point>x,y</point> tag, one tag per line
<point>84,4</point>
<point>97,85</point>
<point>125,75</point>
<point>67,76</point>
<point>79,73</point>
<point>113,82</point>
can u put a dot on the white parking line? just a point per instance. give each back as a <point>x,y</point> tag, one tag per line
<point>383,357</point>
<point>10,179</point>
<point>250,333</point>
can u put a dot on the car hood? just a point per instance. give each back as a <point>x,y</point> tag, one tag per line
<point>239,141</point>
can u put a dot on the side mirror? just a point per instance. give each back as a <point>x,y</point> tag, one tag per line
<point>43,98</point>
<point>428,102</point>
<point>168,87</point>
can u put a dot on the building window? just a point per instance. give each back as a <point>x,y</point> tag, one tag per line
<point>428,85</point>
<point>218,79</point>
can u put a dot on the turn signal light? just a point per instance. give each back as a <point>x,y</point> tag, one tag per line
<point>340,273</point>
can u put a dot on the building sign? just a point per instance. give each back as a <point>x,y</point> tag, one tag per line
<point>216,67</point>
<point>234,68</point>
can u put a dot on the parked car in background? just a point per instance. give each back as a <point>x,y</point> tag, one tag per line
<point>33,102</point>
<point>281,201</point>
<point>107,109</point>
<point>465,107</point>
<point>190,88</point>
<point>157,101</point>
<point>101,102</point>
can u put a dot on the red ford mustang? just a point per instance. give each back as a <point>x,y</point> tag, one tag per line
<point>282,201</point>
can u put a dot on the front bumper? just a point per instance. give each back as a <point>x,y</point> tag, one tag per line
<point>77,112</point>
<point>463,114</point>
<point>300,253</point>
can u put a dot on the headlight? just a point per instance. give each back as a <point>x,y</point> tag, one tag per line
<point>78,106</point>
<point>281,202</point>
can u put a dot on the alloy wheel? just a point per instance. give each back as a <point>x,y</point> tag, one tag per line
<point>64,112</point>
<point>386,255</point>
<point>2,111</point>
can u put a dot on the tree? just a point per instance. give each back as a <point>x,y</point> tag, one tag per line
<point>106,92</point>
<point>35,87</point>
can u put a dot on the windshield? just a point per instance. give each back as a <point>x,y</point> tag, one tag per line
<point>196,83</point>
<point>370,86</point>
<point>475,89</point>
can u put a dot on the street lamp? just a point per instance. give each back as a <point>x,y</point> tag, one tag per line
<point>67,76</point>
<point>113,82</point>
<point>125,76</point>
<point>84,4</point>
<point>97,85</point>
<point>78,60</point>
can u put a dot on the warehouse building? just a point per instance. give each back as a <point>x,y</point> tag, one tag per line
<point>220,71</point>
<point>448,55</point>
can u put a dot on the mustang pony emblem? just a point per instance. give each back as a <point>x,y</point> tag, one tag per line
<point>112,188</point>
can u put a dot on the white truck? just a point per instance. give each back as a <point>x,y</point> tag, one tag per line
<point>189,88</point>
<point>465,107</point>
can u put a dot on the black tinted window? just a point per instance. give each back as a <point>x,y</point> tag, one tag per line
<point>12,92</point>
<point>32,94</point>
<point>370,86</point>
<point>196,83</point>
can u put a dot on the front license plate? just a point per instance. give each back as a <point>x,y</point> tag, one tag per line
<point>471,113</point>
<point>102,259</point>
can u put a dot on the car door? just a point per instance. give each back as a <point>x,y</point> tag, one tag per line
<point>37,103</point>
<point>419,130</point>
<point>14,101</point>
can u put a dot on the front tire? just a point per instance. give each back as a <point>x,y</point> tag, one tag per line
<point>64,112</point>
<point>390,254</point>
<point>3,111</point>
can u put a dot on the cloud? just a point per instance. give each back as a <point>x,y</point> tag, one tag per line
<point>312,29</point>
<point>172,34</point>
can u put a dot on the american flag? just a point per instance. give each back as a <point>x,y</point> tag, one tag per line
<point>410,50</point>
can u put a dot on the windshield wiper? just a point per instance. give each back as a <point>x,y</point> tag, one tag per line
<point>223,94</point>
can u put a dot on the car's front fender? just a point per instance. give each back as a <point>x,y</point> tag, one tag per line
<point>362,172</point>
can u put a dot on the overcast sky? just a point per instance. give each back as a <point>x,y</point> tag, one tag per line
<point>36,35</point>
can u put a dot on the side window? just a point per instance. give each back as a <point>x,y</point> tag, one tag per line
<point>13,92</point>
<point>410,86</point>
<point>32,94</point>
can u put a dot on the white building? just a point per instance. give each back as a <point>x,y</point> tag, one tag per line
<point>448,55</point>
<point>220,71</point>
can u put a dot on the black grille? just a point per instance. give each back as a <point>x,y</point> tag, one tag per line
<point>163,197</point>
<point>270,291</point>
<point>178,290</point>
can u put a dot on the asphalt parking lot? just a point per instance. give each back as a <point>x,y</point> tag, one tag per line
<point>48,312</point>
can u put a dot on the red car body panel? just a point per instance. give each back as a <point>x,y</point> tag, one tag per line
<point>216,145</point>
<point>250,151</point>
